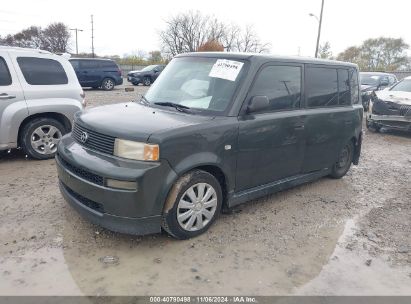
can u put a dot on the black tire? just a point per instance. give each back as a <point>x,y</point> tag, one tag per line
<point>344,161</point>
<point>3,153</point>
<point>28,132</point>
<point>107,84</point>
<point>171,224</point>
<point>147,81</point>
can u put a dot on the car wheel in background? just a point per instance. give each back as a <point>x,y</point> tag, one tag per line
<point>107,84</point>
<point>147,81</point>
<point>372,126</point>
<point>40,136</point>
<point>343,163</point>
<point>192,205</point>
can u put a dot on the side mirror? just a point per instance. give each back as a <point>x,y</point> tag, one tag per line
<point>258,103</point>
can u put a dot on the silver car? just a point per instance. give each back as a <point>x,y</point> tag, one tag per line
<point>39,94</point>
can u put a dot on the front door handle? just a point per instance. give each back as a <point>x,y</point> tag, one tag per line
<point>299,127</point>
<point>6,96</point>
<point>348,122</point>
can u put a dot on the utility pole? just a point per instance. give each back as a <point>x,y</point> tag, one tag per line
<point>319,29</point>
<point>92,36</point>
<point>76,30</point>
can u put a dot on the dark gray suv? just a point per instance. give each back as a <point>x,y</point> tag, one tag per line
<point>214,131</point>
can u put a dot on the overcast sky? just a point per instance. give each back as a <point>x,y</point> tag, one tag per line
<point>126,26</point>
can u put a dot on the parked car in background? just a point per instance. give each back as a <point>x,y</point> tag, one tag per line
<point>97,73</point>
<point>39,94</point>
<point>391,108</point>
<point>145,76</point>
<point>374,81</point>
<point>214,131</point>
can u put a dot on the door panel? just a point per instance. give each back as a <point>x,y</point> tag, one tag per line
<point>270,148</point>
<point>11,96</point>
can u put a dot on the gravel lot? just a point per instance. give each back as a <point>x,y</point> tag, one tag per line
<point>345,237</point>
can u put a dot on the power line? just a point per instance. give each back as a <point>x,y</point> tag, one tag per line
<point>92,36</point>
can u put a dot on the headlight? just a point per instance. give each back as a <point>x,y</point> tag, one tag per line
<point>136,150</point>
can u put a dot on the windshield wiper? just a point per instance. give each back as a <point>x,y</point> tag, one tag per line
<point>177,106</point>
<point>143,100</point>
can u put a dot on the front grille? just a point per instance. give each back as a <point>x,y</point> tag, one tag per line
<point>95,140</point>
<point>85,201</point>
<point>91,177</point>
<point>405,110</point>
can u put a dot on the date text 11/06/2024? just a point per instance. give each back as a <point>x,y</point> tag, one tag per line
<point>203,299</point>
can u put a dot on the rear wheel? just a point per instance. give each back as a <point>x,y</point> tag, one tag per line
<point>194,204</point>
<point>343,164</point>
<point>107,84</point>
<point>40,136</point>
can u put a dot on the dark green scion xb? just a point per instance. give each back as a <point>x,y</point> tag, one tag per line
<point>214,131</point>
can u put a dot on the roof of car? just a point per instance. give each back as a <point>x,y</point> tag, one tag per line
<point>20,49</point>
<point>377,73</point>
<point>266,57</point>
<point>103,59</point>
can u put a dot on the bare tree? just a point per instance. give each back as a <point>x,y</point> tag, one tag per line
<point>55,38</point>
<point>188,31</point>
<point>324,51</point>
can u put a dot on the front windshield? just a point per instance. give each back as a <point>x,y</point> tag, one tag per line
<point>204,84</point>
<point>370,79</point>
<point>403,86</point>
<point>148,68</point>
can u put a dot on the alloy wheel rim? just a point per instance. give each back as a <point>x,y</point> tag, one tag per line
<point>45,138</point>
<point>109,84</point>
<point>197,207</point>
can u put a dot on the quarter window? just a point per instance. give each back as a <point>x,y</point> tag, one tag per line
<point>355,95</point>
<point>282,86</point>
<point>5,78</point>
<point>41,71</point>
<point>322,87</point>
<point>344,97</point>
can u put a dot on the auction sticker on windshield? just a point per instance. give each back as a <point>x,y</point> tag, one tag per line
<point>226,69</point>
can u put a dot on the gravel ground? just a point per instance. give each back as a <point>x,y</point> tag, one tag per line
<point>344,237</point>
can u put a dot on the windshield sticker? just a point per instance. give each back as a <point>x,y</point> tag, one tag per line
<point>226,69</point>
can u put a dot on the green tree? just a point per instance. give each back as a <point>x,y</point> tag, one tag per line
<point>377,54</point>
<point>324,51</point>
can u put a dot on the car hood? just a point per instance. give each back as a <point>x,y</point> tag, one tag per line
<point>134,121</point>
<point>395,96</point>
<point>367,87</point>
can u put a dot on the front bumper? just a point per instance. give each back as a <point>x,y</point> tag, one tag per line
<point>134,80</point>
<point>390,121</point>
<point>82,174</point>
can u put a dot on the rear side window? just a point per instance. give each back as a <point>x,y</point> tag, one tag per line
<point>5,77</point>
<point>108,64</point>
<point>42,71</point>
<point>89,64</point>
<point>322,87</point>
<point>282,86</point>
<point>344,97</point>
<point>355,95</point>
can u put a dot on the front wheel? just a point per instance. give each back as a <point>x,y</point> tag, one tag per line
<point>343,164</point>
<point>147,81</point>
<point>39,137</point>
<point>107,84</point>
<point>193,205</point>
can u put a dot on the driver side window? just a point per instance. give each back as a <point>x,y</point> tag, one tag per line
<point>282,86</point>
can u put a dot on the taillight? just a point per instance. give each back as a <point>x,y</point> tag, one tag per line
<point>119,72</point>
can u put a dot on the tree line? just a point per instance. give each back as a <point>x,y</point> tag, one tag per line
<point>374,54</point>
<point>193,31</point>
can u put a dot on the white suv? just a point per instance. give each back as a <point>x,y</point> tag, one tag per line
<point>39,94</point>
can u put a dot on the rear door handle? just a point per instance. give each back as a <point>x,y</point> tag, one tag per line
<point>348,122</point>
<point>299,127</point>
<point>6,96</point>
